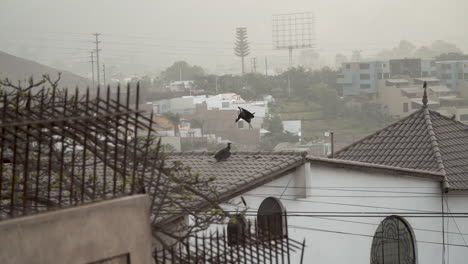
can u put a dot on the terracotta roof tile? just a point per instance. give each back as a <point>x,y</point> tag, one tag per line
<point>424,140</point>
<point>241,170</point>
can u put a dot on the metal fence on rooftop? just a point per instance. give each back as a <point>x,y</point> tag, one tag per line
<point>59,149</point>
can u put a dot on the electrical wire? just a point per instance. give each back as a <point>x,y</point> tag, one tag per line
<point>365,235</point>
<point>344,204</point>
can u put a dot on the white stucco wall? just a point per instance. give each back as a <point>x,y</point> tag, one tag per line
<point>344,190</point>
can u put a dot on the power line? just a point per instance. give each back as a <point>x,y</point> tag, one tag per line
<point>376,224</point>
<point>360,196</point>
<point>344,204</point>
<point>340,213</point>
<point>459,231</point>
<point>365,235</point>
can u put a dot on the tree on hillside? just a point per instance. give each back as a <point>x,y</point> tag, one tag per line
<point>452,56</point>
<point>180,71</point>
<point>277,134</point>
<point>241,48</point>
<point>327,98</point>
<point>441,47</point>
<point>406,49</point>
<point>339,60</point>
<point>175,121</point>
<point>299,80</point>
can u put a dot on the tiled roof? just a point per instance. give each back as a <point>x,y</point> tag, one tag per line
<point>424,140</point>
<point>242,171</point>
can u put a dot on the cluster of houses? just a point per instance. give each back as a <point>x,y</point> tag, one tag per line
<point>395,85</point>
<point>210,119</point>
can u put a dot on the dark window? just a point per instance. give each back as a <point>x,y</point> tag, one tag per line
<point>271,219</point>
<point>425,74</point>
<point>340,76</point>
<point>365,86</point>
<point>433,73</point>
<point>380,76</point>
<point>446,66</point>
<point>386,75</point>
<point>364,76</point>
<point>405,107</point>
<point>348,66</point>
<point>446,76</point>
<point>240,124</point>
<point>237,229</point>
<point>465,76</point>
<point>460,76</point>
<point>384,65</point>
<point>393,243</point>
<point>364,66</point>
<point>464,117</point>
<point>449,85</point>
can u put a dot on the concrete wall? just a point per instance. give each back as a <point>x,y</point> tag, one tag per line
<point>394,100</point>
<point>171,140</point>
<point>348,240</point>
<point>83,234</point>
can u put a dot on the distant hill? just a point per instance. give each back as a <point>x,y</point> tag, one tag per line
<point>16,68</point>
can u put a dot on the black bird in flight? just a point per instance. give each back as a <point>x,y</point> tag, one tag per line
<point>224,153</point>
<point>246,115</point>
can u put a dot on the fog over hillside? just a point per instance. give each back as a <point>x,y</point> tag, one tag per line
<point>146,35</point>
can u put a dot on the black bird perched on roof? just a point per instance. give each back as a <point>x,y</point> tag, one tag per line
<point>224,153</point>
<point>246,115</point>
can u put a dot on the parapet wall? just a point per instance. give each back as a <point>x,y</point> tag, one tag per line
<point>114,231</point>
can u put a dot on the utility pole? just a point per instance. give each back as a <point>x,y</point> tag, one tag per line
<point>266,67</point>
<point>290,57</point>
<point>331,134</point>
<point>92,66</point>
<point>97,57</point>
<point>104,73</point>
<point>216,84</point>
<point>180,73</point>
<point>253,65</point>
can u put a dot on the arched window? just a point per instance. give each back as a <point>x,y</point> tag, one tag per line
<point>271,219</point>
<point>236,230</point>
<point>393,243</point>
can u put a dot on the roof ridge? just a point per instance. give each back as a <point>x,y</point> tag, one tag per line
<point>265,153</point>
<point>375,133</point>
<point>448,118</point>
<point>433,138</point>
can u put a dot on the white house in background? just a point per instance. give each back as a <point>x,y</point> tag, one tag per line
<point>399,195</point>
<point>180,86</point>
<point>293,126</point>
<point>227,101</point>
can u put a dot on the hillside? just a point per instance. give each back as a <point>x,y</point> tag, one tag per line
<point>16,68</point>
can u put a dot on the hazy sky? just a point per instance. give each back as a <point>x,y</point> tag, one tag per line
<point>146,35</point>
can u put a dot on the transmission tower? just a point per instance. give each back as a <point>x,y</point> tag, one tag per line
<point>97,57</point>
